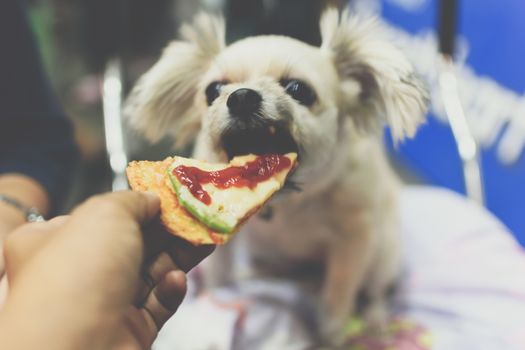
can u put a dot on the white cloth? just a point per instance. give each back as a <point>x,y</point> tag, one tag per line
<point>464,280</point>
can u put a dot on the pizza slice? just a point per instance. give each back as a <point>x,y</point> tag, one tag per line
<point>206,203</point>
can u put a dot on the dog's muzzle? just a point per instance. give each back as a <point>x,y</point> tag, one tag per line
<point>250,132</point>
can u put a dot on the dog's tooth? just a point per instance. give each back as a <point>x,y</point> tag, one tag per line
<point>272,129</point>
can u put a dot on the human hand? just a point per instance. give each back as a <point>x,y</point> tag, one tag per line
<point>76,281</point>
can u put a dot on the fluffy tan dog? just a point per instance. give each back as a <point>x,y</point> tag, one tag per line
<point>274,94</point>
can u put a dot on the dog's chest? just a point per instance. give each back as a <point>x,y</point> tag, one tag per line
<point>299,232</point>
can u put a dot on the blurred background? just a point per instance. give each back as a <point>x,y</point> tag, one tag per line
<point>79,38</point>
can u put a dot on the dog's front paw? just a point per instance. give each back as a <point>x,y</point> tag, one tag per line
<point>375,315</point>
<point>332,329</point>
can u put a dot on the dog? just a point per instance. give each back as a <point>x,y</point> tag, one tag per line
<point>274,94</point>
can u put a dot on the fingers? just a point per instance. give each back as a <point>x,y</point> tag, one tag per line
<point>142,206</point>
<point>110,226</point>
<point>4,287</point>
<point>185,255</point>
<point>136,206</point>
<point>164,286</point>
<point>27,240</point>
<point>156,240</point>
<point>165,298</point>
<point>143,324</point>
<point>162,297</point>
<point>156,272</point>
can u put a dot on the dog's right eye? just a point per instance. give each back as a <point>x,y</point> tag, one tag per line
<point>213,91</point>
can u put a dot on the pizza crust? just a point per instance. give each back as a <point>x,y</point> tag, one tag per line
<point>147,176</point>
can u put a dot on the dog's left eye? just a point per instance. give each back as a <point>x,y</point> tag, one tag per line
<point>213,91</point>
<point>300,91</point>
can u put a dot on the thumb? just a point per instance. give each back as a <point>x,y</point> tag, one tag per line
<point>139,207</point>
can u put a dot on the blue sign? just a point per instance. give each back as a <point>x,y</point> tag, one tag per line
<point>491,73</point>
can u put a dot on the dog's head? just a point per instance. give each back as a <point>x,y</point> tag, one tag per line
<point>274,94</point>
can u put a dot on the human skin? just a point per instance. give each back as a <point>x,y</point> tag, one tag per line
<point>75,281</point>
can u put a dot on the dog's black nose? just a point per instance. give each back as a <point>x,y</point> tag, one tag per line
<point>244,102</point>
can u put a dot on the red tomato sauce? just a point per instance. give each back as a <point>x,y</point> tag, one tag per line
<point>249,175</point>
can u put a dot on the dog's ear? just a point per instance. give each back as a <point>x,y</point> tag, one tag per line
<point>161,102</point>
<point>378,84</point>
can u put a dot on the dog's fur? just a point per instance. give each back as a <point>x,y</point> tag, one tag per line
<point>345,217</point>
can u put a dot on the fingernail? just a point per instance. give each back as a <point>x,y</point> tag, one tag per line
<point>151,194</point>
<point>153,202</point>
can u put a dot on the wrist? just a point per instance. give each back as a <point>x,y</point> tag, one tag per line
<point>25,191</point>
<point>30,214</point>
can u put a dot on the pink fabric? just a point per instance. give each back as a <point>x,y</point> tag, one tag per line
<point>399,335</point>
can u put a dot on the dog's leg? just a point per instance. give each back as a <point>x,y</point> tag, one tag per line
<point>218,267</point>
<point>347,263</point>
<point>383,273</point>
<point>229,263</point>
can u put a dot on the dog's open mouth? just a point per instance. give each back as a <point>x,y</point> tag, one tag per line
<point>264,139</point>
